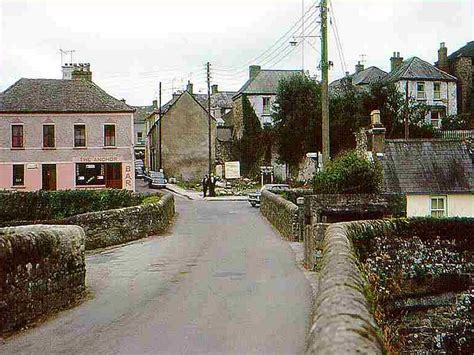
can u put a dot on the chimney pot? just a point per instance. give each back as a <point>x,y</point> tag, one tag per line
<point>443,57</point>
<point>155,103</point>
<point>359,67</point>
<point>395,61</point>
<point>254,70</point>
<point>376,133</point>
<point>189,87</point>
<point>215,89</point>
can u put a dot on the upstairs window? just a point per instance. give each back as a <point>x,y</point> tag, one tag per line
<point>18,175</point>
<point>438,206</point>
<point>139,137</point>
<point>79,135</point>
<point>17,136</point>
<point>437,91</point>
<point>109,135</point>
<point>48,136</point>
<point>420,91</point>
<point>266,106</point>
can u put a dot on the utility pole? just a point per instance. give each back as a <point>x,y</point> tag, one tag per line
<point>208,69</point>
<point>325,82</point>
<point>160,136</point>
<point>302,35</point>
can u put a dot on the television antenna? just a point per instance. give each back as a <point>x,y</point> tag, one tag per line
<point>66,52</point>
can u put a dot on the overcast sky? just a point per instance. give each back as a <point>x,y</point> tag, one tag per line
<point>134,44</point>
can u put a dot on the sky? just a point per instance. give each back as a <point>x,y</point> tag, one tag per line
<point>133,45</point>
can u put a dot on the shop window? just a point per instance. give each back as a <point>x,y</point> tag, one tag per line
<point>18,175</point>
<point>48,136</point>
<point>438,206</point>
<point>17,136</point>
<point>90,174</point>
<point>109,135</point>
<point>79,135</point>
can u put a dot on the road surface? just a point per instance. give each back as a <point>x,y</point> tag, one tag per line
<point>222,281</point>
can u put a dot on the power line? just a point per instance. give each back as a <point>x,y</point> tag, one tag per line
<point>337,37</point>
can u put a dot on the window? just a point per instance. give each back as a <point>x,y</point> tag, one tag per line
<point>420,90</point>
<point>17,136</point>
<point>437,91</point>
<point>435,119</point>
<point>90,174</point>
<point>79,135</point>
<point>18,175</point>
<point>139,137</point>
<point>48,136</point>
<point>109,135</point>
<point>438,206</point>
<point>266,106</point>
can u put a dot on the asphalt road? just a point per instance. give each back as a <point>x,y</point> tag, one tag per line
<point>222,281</point>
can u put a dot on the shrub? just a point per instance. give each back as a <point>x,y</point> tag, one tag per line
<point>47,205</point>
<point>151,200</point>
<point>349,173</point>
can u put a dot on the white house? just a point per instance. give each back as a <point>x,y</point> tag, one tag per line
<point>423,82</point>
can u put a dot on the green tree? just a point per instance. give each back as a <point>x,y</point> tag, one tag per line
<point>249,149</point>
<point>297,118</point>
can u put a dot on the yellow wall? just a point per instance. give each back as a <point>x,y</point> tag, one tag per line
<point>459,205</point>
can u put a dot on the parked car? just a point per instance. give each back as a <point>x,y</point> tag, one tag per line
<point>156,179</point>
<point>254,197</point>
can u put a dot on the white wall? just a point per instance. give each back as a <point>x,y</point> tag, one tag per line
<point>257,103</point>
<point>459,205</point>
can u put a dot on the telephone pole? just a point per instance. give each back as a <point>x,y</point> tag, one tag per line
<point>208,69</point>
<point>160,136</point>
<point>325,82</point>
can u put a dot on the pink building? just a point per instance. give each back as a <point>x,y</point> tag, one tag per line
<point>64,134</point>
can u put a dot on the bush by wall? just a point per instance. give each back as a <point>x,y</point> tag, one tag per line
<point>48,205</point>
<point>349,173</point>
<point>42,269</point>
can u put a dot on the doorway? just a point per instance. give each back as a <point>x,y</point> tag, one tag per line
<point>49,177</point>
<point>113,175</point>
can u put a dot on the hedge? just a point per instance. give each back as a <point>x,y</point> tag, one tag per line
<point>47,205</point>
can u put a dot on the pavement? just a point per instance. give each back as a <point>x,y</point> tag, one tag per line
<point>195,195</point>
<point>222,281</point>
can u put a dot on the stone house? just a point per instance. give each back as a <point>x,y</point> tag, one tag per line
<point>362,78</point>
<point>435,175</point>
<point>460,64</point>
<point>261,90</point>
<point>221,104</point>
<point>139,132</point>
<point>64,134</point>
<point>184,138</point>
<point>423,82</point>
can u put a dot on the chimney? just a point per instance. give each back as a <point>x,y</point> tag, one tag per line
<point>254,70</point>
<point>189,87</point>
<point>77,71</point>
<point>155,104</point>
<point>443,57</point>
<point>376,133</point>
<point>395,61</point>
<point>214,89</point>
<point>359,67</point>
<point>124,101</point>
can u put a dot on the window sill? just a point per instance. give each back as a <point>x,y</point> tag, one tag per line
<point>49,148</point>
<point>110,147</point>
<point>90,186</point>
<point>79,148</point>
<point>17,148</point>
<point>19,187</point>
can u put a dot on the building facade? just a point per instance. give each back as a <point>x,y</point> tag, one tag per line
<point>422,82</point>
<point>64,134</point>
<point>139,128</point>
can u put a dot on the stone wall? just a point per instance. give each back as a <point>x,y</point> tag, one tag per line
<point>42,270</point>
<point>123,225</point>
<point>343,322</point>
<point>282,214</point>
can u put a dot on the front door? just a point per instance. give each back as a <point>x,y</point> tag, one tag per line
<point>49,177</point>
<point>113,175</point>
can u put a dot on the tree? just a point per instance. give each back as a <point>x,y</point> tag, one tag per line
<point>297,118</point>
<point>249,150</point>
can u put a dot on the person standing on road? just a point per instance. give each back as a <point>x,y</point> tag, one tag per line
<point>212,186</point>
<point>205,185</point>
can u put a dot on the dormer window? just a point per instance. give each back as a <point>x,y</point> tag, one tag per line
<point>420,90</point>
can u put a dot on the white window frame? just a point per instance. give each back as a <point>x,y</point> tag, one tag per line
<point>421,94</point>
<point>434,211</point>
<point>266,109</point>
<point>74,136</point>
<point>115,135</point>
<point>436,93</point>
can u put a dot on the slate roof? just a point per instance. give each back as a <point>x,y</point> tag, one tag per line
<point>365,77</point>
<point>415,68</point>
<point>142,112</point>
<point>265,82</point>
<point>55,95</point>
<point>222,99</point>
<point>466,51</point>
<point>427,167</point>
